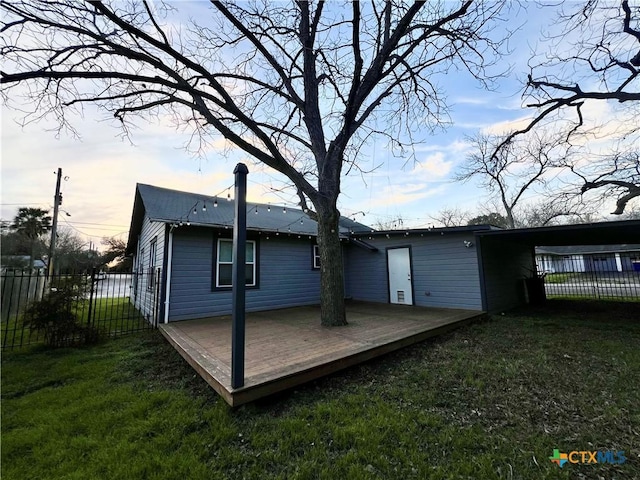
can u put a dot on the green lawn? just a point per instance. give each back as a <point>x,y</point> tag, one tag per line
<point>559,277</point>
<point>492,400</point>
<point>111,316</point>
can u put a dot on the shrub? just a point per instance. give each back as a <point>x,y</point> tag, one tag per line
<point>55,316</point>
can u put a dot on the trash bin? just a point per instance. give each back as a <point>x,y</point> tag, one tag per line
<point>535,290</point>
<point>636,266</point>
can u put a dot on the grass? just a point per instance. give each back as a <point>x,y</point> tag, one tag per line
<point>491,400</point>
<point>115,315</point>
<point>558,277</point>
<point>112,316</point>
<point>591,299</point>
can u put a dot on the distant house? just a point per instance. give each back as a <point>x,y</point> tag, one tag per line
<point>20,263</point>
<point>587,258</point>
<point>181,245</point>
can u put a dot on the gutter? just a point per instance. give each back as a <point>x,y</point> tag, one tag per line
<point>168,279</point>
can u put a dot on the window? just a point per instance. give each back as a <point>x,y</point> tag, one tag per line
<point>224,263</point>
<point>151,283</point>
<point>315,253</point>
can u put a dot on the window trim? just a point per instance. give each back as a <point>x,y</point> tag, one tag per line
<point>153,252</point>
<point>315,257</point>
<point>215,286</point>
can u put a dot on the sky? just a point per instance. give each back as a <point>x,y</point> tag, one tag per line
<point>101,169</point>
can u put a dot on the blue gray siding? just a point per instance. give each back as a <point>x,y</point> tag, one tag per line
<point>505,265</point>
<point>285,276</point>
<point>144,293</point>
<point>445,272</point>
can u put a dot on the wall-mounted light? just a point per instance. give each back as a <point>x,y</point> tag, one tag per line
<point>468,244</point>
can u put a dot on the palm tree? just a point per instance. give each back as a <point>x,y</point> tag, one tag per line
<point>31,223</point>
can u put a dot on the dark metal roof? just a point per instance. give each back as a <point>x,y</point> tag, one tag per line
<point>423,231</point>
<point>602,233</point>
<point>176,207</point>
<point>587,249</point>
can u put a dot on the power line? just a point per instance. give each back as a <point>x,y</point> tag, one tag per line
<point>103,224</point>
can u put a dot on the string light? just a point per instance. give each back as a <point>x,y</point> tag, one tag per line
<point>223,224</point>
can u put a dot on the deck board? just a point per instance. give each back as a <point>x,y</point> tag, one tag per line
<point>288,347</point>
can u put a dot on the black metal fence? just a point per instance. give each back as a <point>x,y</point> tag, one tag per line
<point>579,276</point>
<point>110,304</point>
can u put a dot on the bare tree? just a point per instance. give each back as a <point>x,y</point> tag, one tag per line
<point>299,86</point>
<point>451,217</point>
<point>116,253</point>
<point>520,167</point>
<point>556,209</point>
<point>73,253</point>
<point>595,56</point>
<point>392,223</point>
<point>604,56</point>
<point>492,218</point>
<point>617,175</point>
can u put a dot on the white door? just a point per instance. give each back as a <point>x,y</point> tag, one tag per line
<point>399,265</point>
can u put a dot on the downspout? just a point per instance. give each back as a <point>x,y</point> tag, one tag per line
<point>168,279</point>
<point>481,273</point>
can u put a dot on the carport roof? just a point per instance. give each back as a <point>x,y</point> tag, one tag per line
<point>603,233</point>
<point>587,249</point>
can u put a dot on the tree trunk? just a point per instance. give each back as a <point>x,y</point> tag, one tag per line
<point>510,220</point>
<point>332,311</point>
<point>32,256</point>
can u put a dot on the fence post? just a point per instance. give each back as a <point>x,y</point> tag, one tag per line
<point>157,299</point>
<point>90,310</point>
<point>238,277</point>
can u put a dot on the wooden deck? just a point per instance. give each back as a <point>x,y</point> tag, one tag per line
<point>285,348</point>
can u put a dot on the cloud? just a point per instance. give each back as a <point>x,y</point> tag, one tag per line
<point>102,172</point>
<point>507,126</point>
<point>395,195</point>
<point>434,166</point>
<point>469,101</point>
<point>455,146</point>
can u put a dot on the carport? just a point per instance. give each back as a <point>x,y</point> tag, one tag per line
<point>507,257</point>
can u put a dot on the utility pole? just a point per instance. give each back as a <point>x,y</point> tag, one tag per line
<point>57,200</point>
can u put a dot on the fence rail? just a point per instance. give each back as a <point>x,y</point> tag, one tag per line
<point>578,278</point>
<point>109,304</point>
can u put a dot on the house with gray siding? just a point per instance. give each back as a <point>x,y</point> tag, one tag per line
<point>181,245</point>
<point>425,267</point>
<point>587,258</point>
